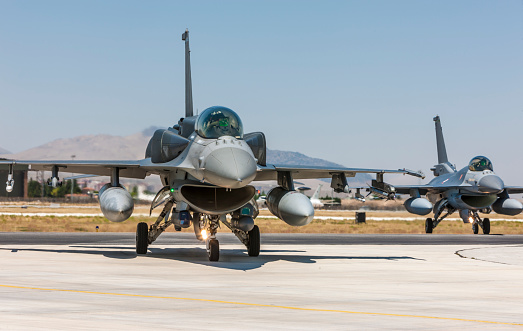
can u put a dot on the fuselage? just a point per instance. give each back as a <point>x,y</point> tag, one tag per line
<point>466,189</point>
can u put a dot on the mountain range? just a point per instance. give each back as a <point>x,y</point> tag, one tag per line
<point>4,151</point>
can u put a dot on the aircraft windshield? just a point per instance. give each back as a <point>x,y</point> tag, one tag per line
<point>218,121</point>
<point>480,163</point>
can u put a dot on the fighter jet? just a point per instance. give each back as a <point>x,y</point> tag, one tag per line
<point>206,164</point>
<point>469,191</point>
<point>319,203</point>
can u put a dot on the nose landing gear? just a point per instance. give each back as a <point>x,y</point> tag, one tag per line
<point>477,223</point>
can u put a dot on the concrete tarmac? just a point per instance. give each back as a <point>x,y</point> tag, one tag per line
<point>302,282</point>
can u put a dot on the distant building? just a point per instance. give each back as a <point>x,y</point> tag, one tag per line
<point>20,177</point>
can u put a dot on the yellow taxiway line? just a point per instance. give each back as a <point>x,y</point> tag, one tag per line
<point>259,305</point>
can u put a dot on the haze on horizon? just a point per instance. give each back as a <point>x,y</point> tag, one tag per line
<point>356,83</point>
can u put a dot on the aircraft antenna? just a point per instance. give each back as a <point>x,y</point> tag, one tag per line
<point>440,143</point>
<point>188,81</point>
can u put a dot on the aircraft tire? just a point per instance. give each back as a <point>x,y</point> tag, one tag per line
<point>475,228</point>
<point>428,225</point>
<point>142,242</point>
<point>254,241</point>
<point>486,226</point>
<point>214,250</point>
<point>196,226</point>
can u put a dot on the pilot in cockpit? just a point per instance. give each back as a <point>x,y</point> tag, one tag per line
<point>215,122</point>
<point>480,163</point>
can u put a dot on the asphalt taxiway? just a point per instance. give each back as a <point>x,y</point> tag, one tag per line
<point>302,282</point>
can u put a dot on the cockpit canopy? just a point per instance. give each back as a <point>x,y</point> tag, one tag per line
<point>480,163</point>
<point>218,121</point>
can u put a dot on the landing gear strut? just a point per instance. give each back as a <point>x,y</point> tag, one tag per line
<point>251,239</point>
<point>431,224</point>
<point>145,237</point>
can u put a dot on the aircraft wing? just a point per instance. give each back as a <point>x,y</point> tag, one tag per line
<point>129,169</point>
<point>422,189</point>
<point>270,172</point>
<point>514,189</point>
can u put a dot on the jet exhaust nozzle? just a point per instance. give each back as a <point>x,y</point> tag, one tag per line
<point>116,203</point>
<point>291,207</point>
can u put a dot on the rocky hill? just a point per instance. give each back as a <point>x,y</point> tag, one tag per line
<point>4,151</point>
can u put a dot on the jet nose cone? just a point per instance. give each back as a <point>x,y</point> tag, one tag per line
<point>230,167</point>
<point>491,184</point>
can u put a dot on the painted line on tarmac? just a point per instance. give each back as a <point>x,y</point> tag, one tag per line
<point>259,305</point>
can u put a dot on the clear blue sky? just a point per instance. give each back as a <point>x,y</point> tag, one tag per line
<point>353,82</point>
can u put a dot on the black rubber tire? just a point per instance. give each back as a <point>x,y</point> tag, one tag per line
<point>214,250</point>
<point>253,248</point>
<point>428,225</point>
<point>142,242</point>
<point>475,228</point>
<point>486,226</point>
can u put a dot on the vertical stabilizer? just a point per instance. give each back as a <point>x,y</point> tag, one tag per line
<point>316,194</point>
<point>188,81</point>
<point>442,151</point>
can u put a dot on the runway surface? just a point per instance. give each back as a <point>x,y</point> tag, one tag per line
<point>87,281</point>
<point>187,238</point>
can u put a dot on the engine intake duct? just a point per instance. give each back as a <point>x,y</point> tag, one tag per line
<point>291,207</point>
<point>474,202</point>
<point>212,199</point>
<point>256,141</point>
<point>165,145</point>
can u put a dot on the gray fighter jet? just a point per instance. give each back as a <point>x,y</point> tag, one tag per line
<point>207,164</point>
<point>473,189</point>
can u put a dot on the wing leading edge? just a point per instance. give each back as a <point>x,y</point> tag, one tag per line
<point>270,172</point>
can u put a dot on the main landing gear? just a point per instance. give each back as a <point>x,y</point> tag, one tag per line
<point>431,224</point>
<point>205,229</point>
<point>473,217</point>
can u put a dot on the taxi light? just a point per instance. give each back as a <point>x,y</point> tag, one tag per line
<point>471,220</point>
<point>204,234</point>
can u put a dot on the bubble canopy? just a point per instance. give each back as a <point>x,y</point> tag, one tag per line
<point>480,163</point>
<point>218,121</point>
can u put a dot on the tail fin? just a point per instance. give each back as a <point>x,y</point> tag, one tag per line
<point>442,151</point>
<point>316,194</point>
<point>188,82</point>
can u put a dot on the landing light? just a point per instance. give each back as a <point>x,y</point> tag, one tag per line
<point>471,220</point>
<point>204,234</point>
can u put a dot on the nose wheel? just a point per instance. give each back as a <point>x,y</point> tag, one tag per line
<point>212,244</point>
<point>484,224</point>
<point>475,228</point>
<point>213,250</point>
